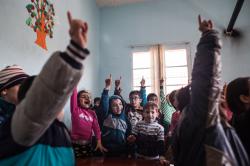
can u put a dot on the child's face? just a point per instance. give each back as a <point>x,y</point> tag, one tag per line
<point>85,100</point>
<point>153,99</point>
<point>116,106</point>
<point>97,103</point>
<point>135,100</point>
<point>150,114</point>
<point>10,94</point>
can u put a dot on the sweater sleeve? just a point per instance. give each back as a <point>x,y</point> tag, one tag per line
<point>96,127</point>
<point>73,101</point>
<point>205,85</point>
<point>104,104</point>
<point>160,142</point>
<point>47,95</point>
<point>143,96</point>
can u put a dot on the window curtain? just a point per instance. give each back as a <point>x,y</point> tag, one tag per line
<point>157,62</point>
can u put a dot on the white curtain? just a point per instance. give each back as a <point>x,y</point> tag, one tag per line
<point>157,62</point>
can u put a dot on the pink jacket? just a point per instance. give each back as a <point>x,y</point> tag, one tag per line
<point>84,121</point>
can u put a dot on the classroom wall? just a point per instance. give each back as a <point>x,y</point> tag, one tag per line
<point>168,21</point>
<point>17,39</point>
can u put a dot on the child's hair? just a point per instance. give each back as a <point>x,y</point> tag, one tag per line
<point>183,97</point>
<point>25,86</point>
<point>149,105</point>
<point>172,96</point>
<point>135,92</point>
<point>235,88</point>
<point>97,99</point>
<point>150,95</point>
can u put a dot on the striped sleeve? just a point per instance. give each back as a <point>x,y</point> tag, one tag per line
<point>74,55</point>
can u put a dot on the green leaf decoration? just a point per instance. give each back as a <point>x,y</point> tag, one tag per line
<point>29,21</point>
<point>29,6</point>
<point>33,14</point>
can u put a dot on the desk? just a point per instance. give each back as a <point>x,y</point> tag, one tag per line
<point>115,162</point>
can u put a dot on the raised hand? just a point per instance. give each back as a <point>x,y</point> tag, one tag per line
<point>78,30</point>
<point>118,83</point>
<point>108,82</point>
<point>204,25</point>
<point>142,82</point>
<point>161,81</point>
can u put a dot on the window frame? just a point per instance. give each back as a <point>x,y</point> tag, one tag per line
<point>187,47</point>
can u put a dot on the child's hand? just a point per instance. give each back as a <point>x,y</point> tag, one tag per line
<point>118,83</point>
<point>108,82</point>
<point>142,82</point>
<point>163,161</point>
<point>204,25</point>
<point>78,30</point>
<point>161,82</point>
<point>131,139</point>
<point>100,147</point>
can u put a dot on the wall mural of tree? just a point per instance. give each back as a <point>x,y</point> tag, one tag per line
<point>41,20</point>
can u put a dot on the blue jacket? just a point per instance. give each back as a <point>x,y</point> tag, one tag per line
<point>115,128</point>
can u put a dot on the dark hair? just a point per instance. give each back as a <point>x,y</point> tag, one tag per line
<point>149,105</point>
<point>172,96</point>
<point>97,99</point>
<point>235,88</point>
<point>183,97</point>
<point>135,92</point>
<point>24,87</point>
<point>151,95</point>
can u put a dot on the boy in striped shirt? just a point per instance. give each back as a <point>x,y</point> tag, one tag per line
<point>148,135</point>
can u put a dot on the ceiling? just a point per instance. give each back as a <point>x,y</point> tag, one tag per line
<point>109,3</point>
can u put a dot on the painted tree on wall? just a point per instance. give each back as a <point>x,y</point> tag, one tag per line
<point>41,20</point>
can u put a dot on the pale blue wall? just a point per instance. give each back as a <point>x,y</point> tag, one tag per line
<point>17,39</point>
<point>167,21</point>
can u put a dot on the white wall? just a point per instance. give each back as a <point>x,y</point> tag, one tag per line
<point>168,21</point>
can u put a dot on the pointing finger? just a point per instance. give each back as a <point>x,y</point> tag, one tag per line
<point>69,17</point>
<point>199,19</point>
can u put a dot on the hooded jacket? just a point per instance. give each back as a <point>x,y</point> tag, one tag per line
<point>115,128</point>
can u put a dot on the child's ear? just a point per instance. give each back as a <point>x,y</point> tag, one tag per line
<point>245,99</point>
<point>140,100</point>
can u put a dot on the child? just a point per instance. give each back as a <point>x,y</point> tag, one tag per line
<point>166,110</point>
<point>200,136</point>
<point>116,126</point>
<point>149,135</point>
<point>32,122</point>
<point>84,121</point>
<point>238,99</point>
<point>10,80</point>
<point>134,109</point>
<point>97,101</point>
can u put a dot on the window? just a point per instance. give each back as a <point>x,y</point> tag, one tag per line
<point>176,69</point>
<point>142,68</point>
<point>169,62</point>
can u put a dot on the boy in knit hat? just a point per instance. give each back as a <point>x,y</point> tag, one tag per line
<point>10,80</point>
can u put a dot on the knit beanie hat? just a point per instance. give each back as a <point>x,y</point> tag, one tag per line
<point>11,76</point>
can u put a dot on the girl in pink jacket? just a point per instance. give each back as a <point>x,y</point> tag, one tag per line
<point>84,123</point>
